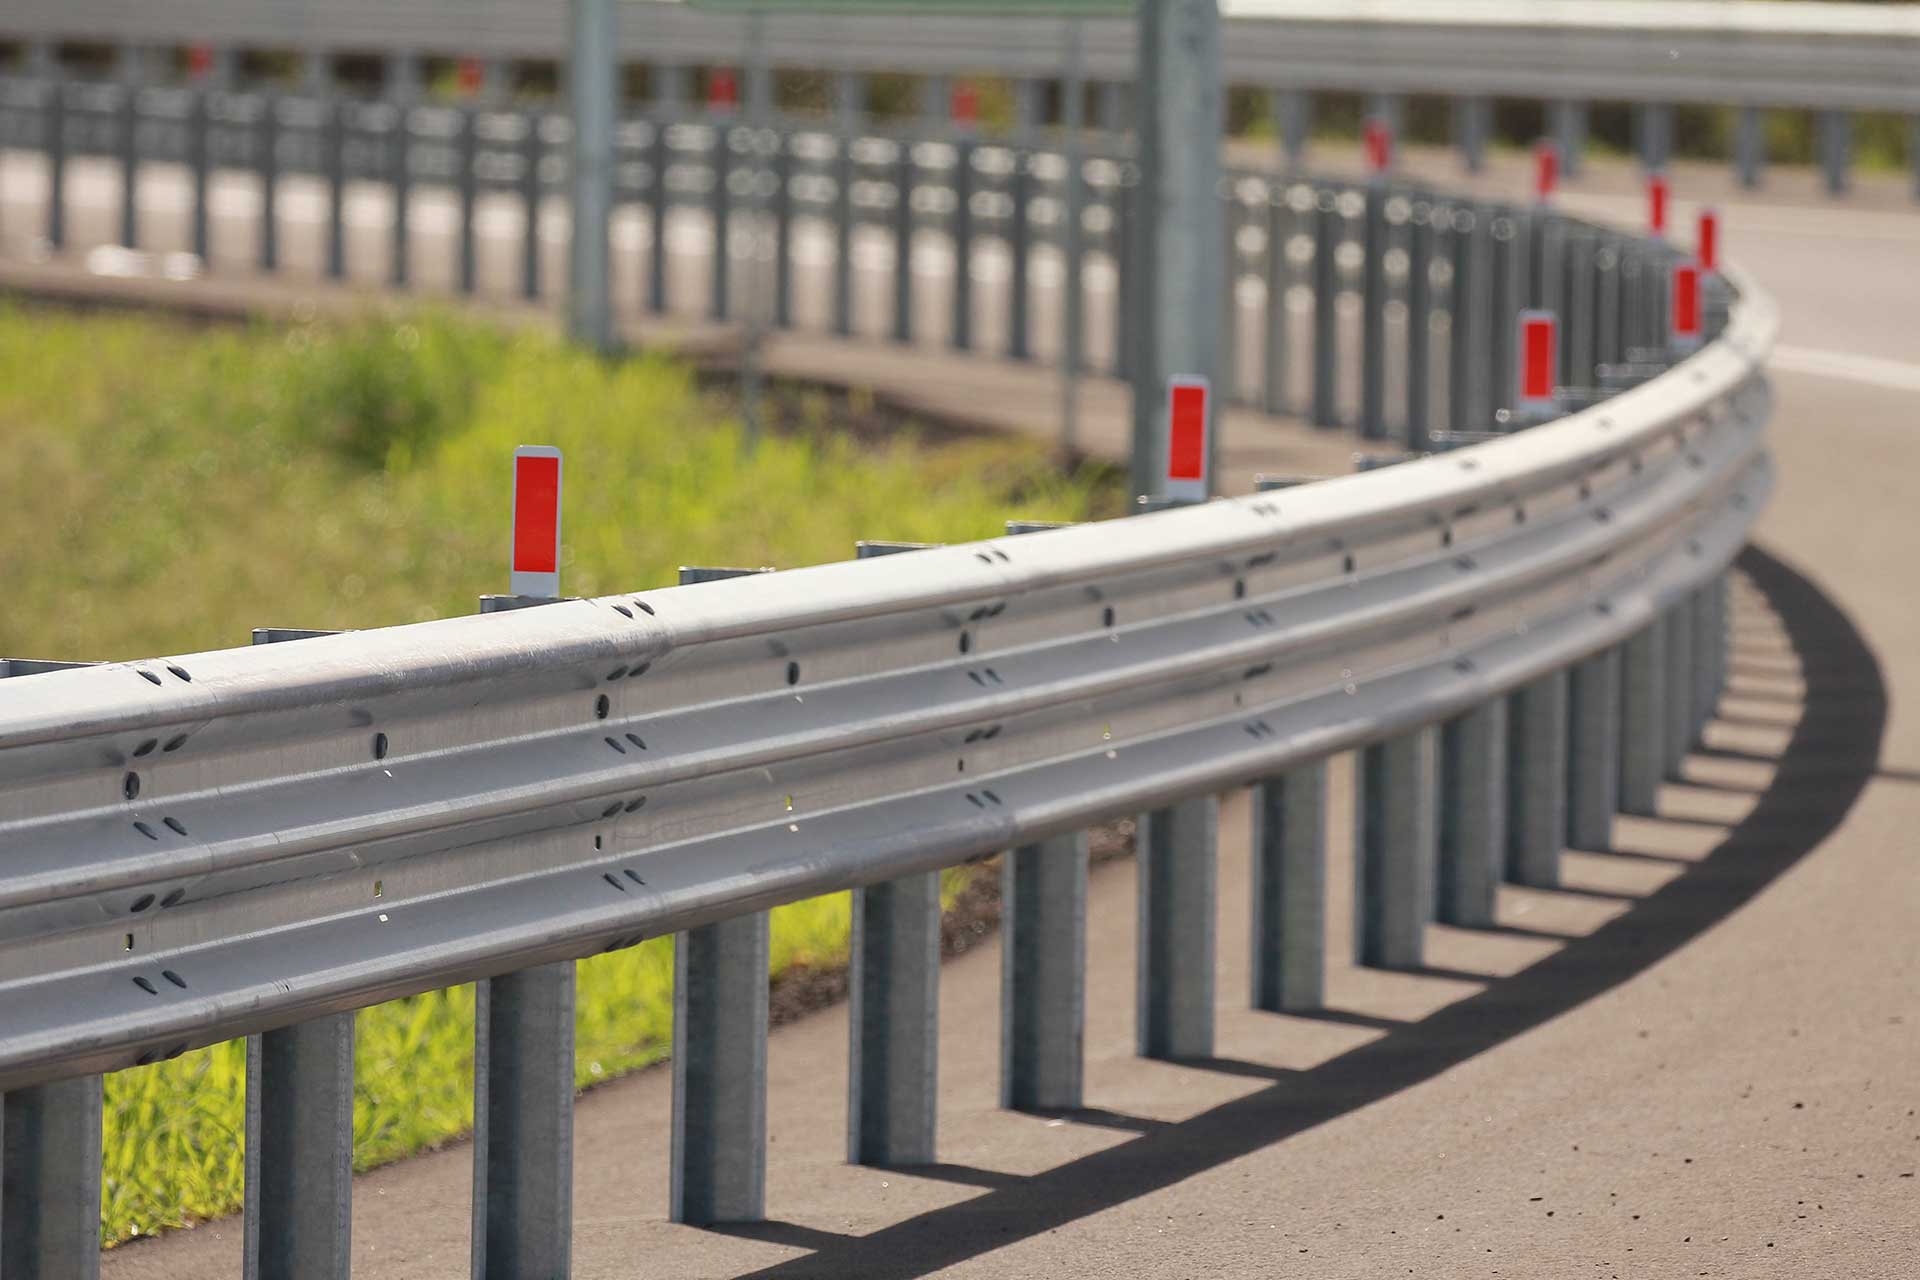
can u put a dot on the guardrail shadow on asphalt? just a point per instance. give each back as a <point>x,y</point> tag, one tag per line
<point>1833,751</point>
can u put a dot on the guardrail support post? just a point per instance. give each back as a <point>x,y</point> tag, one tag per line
<point>1292,120</point>
<point>1643,688</point>
<point>1464,237</point>
<point>50,1205</point>
<point>1395,831</point>
<point>333,161</point>
<point>533,150</point>
<point>1655,127</point>
<point>467,183</point>
<point>720,218</point>
<point>720,1072</point>
<point>1593,753</point>
<point>1749,147</point>
<point>1019,244</point>
<point>1569,123</point>
<point>1279,276</point>
<point>1704,691</point>
<point>849,106</point>
<point>1326,318</point>
<point>1473,815</point>
<point>1289,889</point>
<point>1537,781</point>
<point>1373,312</point>
<point>56,157</point>
<point>400,182</point>
<point>1836,149</point>
<point>298,1220</point>
<point>1472,121</point>
<point>1680,699</point>
<point>903,184</point>
<point>1420,236</point>
<point>1178,862</point>
<point>199,172</point>
<point>1043,1015</point>
<point>523,1123</point>
<point>129,165</point>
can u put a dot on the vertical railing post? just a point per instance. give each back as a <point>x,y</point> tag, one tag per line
<point>1420,234</point>
<point>1396,839</point>
<point>719,1153</point>
<point>720,214</point>
<point>595,96</point>
<point>468,180</point>
<point>1836,149</point>
<point>1679,705</point>
<point>1326,318</point>
<point>1537,780</point>
<point>782,213</point>
<point>1471,119</point>
<point>1289,831</point>
<point>269,166</point>
<point>961,233</point>
<point>1226,374</point>
<point>893,1008</point>
<point>1373,312</point>
<point>1019,247</point>
<point>668,100</point>
<point>56,141</point>
<point>1704,692</point>
<point>298,1220</point>
<point>1043,919</point>
<point>523,1122</point>
<point>1473,815</point>
<point>1177,853</point>
<point>199,172</point>
<point>1593,750</point>
<point>1569,124</point>
<point>1749,147</point>
<point>333,162</point>
<point>1292,119</point>
<point>129,142</point>
<point>50,1181</point>
<point>1073,339</point>
<point>903,187</point>
<point>532,151</point>
<point>1643,695</point>
<point>1463,412</point>
<point>1279,277</point>
<point>400,182</point>
<point>849,104</point>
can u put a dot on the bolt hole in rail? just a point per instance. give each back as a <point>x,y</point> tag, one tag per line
<point>1552,596</point>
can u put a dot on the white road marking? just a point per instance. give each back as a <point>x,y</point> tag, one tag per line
<point>1896,375</point>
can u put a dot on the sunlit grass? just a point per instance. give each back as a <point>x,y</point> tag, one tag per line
<point>169,488</point>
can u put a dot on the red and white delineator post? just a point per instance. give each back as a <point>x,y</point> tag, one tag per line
<point>471,75</point>
<point>723,90</point>
<point>963,106</point>
<point>1189,408</point>
<point>1537,370</point>
<point>1546,170</point>
<point>1657,193</point>
<point>1684,307</point>
<point>534,569</point>
<point>1377,135</point>
<point>1706,241</point>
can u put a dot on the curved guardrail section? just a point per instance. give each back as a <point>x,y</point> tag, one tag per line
<point>210,845</point>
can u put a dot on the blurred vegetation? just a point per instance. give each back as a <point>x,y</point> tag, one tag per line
<point>174,487</point>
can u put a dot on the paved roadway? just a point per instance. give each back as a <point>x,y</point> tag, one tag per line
<point>1696,1059</point>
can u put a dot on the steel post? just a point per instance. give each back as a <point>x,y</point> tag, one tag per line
<point>1179,257</point>
<point>50,1181</point>
<point>719,1155</point>
<point>1463,240</point>
<point>531,153</point>
<point>849,107</point>
<point>129,143</point>
<point>659,203</point>
<point>1643,694</point>
<point>199,172</point>
<point>1506,283</point>
<point>1593,750</point>
<point>1226,376</point>
<point>400,182</point>
<point>903,186</point>
<point>1073,337</point>
<point>333,161</point>
<point>1326,317</point>
<point>1292,111</point>
<point>960,233</point>
<point>468,180</point>
<point>1420,321</point>
<point>1749,147</point>
<point>299,1155</point>
<point>720,217</point>
<point>782,214</point>
<point>1019,245</point>
<point>56,144</point>
<point>1177,853</point>
<point>1579,320</point>
<point>1279,279</point>
<point>1043,918</point>
<point>1703,690</point>
<point>523,1123</point>
<point>1680,735</point>
<point>269,164</point>
<point>1289,889</point>
<point>1373,313</point>
<point>1836,149</point>
<point>1537,780</point>
<point>1473,815</point>
<point>1569,126</point>
<point>1655,126</point>
<point>1472,121</point>
<point>1396,840</point>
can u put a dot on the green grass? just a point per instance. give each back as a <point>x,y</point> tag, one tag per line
<point>171,487</point>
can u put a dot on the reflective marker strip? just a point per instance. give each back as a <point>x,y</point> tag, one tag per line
<point>1379,141</point>
<point>1539,359</point>
<point>1546,170</point>
<point>965,104</point>
<point>470,76</point>
<point>1187,438</point>
<point>1657,204</point>
<point>722,90</point>
<point>535,570</point>
<point>1686,304</point>
<point>1707,245</point>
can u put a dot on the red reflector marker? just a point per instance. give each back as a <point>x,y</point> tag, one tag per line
<point>1187,438</point>
<point>1685,307</point>
<point>1546,170</point>
<point>199,61</point>
<point>535,569</point>
<point>1539,366</point>
<point>469,75</point>
<point>1379,143</point>
<point>723,91</point>
<point>1707,244</point>
<point>1657,204</point>
<point>965,105</point>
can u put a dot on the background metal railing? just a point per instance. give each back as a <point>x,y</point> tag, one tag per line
<point>1520,636</point>
<point>1830,60</point>
<point>825,230</point>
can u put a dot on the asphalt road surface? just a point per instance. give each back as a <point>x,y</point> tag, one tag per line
<point>1695,1059</point>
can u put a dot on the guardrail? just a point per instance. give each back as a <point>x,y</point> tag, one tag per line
<point>1831,59</point>
<point>1423,286</point>
<point>1520,638</point>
